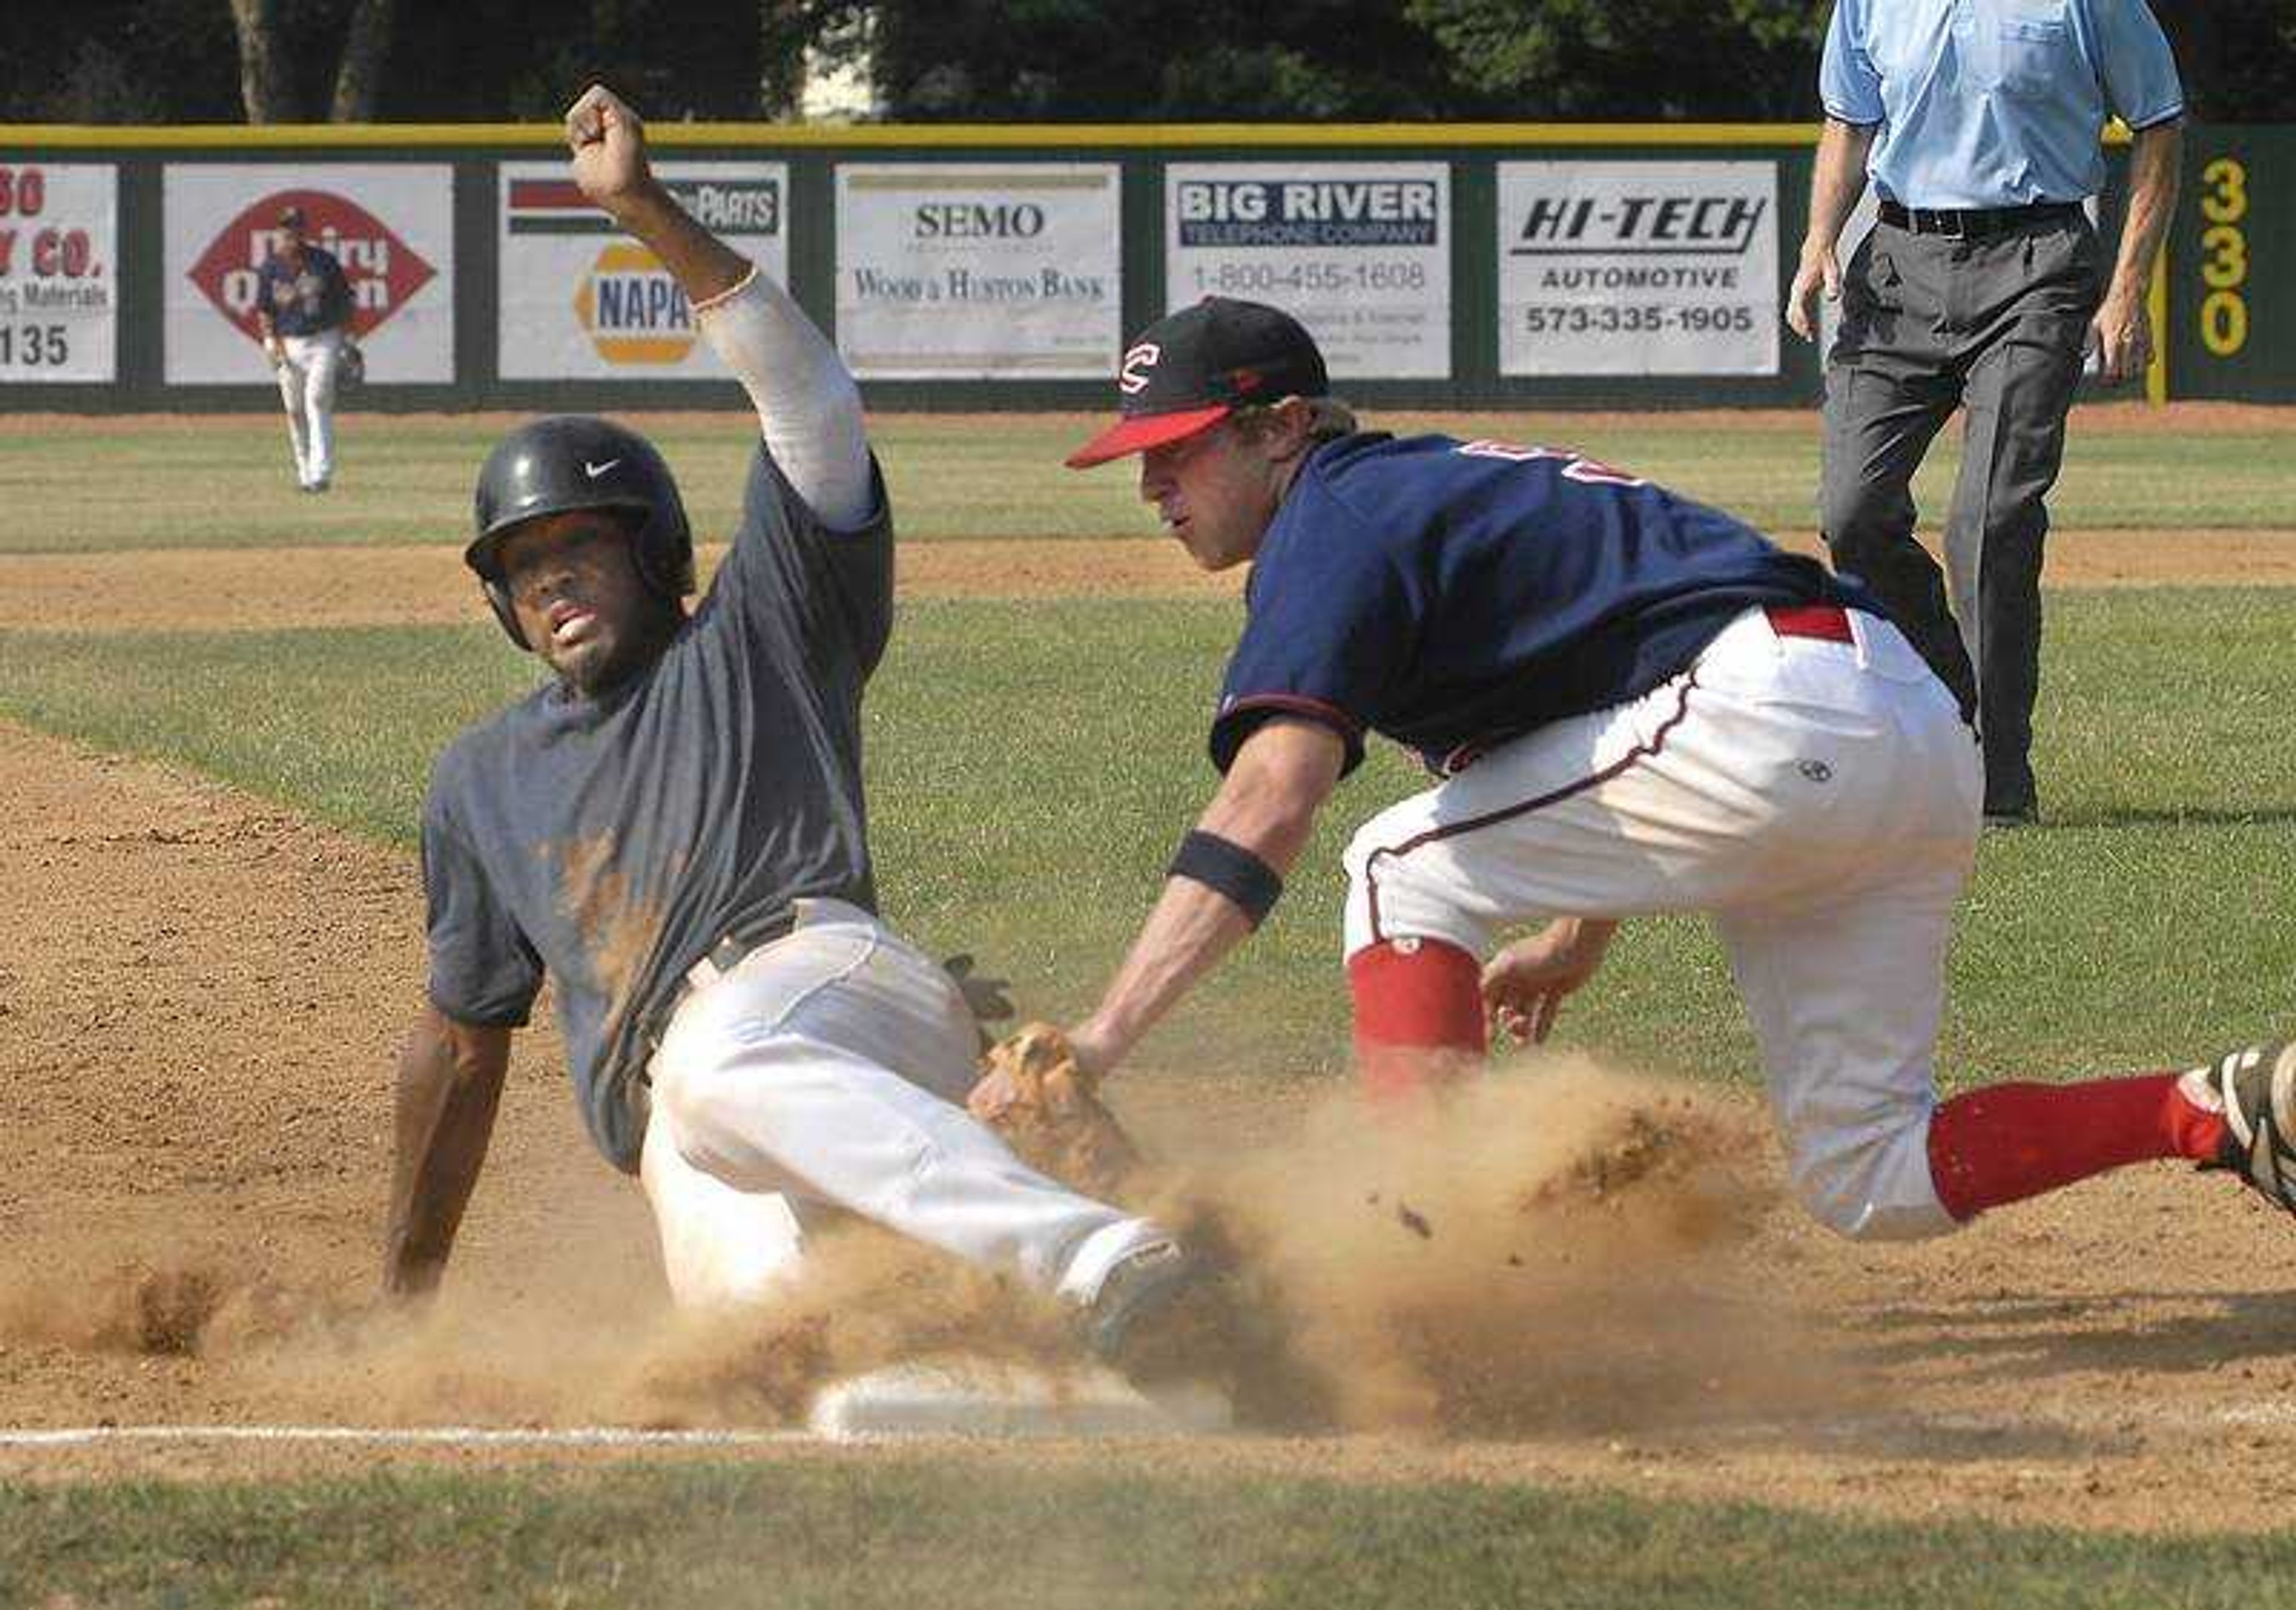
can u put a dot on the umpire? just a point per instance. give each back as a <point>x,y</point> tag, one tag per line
<point>1983,285</point>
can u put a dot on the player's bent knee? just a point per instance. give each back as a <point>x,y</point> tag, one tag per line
<point>1371,862</point>
<point>1361,847</point>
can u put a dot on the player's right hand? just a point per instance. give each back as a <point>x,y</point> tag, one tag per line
<point>1819,269</point>
<point>607,142</point>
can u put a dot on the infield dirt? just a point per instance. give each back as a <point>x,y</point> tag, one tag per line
<point>191,590</point>
<point>201,996</point>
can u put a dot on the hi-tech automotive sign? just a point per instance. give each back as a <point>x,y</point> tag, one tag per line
<point>59,264</point>
<point>390,224</point>
<point>1638,268</point>
<point>580,299</point>
<point>1008,270</point>
<point>1360,252</point>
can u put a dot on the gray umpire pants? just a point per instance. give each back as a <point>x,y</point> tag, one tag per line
<point>1996,325</point>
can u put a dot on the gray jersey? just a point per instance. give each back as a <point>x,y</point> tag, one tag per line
<point>611,842</point>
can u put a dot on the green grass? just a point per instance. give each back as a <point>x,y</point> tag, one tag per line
<point>906,1533</point>
<point>1032,765</point>
<point>224,482</point>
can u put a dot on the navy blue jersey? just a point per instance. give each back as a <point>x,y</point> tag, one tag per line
<point>305,300</point>
<point>1455,594</point>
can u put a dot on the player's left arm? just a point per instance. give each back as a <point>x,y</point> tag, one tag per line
<point>2122,330</point>
<point>339,302</point>
<point>809,404</point>
<point>1525,983</point>
<point>1267,807</point>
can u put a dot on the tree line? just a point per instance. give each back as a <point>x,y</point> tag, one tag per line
<point>131,62</point>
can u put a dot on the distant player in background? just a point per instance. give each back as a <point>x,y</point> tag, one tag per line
<point>303,307</point>
<point>1633,704</point>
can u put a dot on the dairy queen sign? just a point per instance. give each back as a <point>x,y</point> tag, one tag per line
<point>384,270</point>
<point>390,226</point>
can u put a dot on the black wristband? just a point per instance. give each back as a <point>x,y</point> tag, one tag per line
<point>1224,865</point>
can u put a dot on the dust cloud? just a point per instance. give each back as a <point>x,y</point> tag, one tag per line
<point>1553,1247</point>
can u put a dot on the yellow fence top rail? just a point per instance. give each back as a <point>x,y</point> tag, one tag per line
<point>1022,135</point>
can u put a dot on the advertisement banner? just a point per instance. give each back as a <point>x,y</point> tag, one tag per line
<point>1002,271</point>
<point>1360,252</point>
<point>390,225</point>
<point>59,256</point>
<point>582,300</point>
<point>1638,268</point>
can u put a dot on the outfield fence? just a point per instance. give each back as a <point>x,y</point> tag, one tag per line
<point>989,267</point>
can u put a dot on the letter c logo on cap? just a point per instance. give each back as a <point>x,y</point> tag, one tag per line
<point>1132,374</point>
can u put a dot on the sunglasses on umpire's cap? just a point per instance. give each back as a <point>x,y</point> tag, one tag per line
<point>1190,370</point>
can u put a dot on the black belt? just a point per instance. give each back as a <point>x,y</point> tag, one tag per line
<point>1974,223</point>
<point>728,953</point>
<point>721,959</point>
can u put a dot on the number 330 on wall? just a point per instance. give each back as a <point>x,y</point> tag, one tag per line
<point>2224,256</point>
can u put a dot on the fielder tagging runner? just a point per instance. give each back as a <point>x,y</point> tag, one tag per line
<point>673,830</point>
<point>1635,704</point>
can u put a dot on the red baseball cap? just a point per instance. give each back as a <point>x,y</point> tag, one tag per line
<point>1190,370</point>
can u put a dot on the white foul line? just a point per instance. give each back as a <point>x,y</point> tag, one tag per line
<point>453,1436</point>
<point>2255,1415</point>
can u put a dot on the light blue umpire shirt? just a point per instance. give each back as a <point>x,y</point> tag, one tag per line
<point>1995,103</point>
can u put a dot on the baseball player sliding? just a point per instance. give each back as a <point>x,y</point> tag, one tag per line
<point>1634,704</point>
<point>673,831</point>
<point>303,310</point>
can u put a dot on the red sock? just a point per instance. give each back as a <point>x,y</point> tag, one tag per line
<point>1419,1015</point>
<point>2009,1141</point>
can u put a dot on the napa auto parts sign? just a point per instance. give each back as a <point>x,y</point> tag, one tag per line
<point>580,300</point>
<point>390,224</point>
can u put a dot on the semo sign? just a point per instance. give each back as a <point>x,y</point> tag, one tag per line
<point>384,270</point>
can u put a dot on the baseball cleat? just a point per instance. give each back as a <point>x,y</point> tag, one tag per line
<point>2255,1088</point>
<point>1149,1309</point>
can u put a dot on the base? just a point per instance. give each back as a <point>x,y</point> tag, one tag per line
<point>973,1397</point>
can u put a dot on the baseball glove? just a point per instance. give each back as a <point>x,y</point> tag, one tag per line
<point>1033,1094</point>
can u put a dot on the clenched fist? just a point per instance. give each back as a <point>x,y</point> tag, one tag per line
<point>607,142</point>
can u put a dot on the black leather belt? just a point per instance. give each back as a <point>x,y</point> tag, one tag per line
<point>729,952</point>
<point>1973,222</point>
<point>721,959</point>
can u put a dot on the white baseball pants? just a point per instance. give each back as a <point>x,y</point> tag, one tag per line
<point>1821,800</point>
<point>830,1068</point>
<point>306,391</point>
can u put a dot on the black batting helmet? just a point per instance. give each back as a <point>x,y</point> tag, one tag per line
<point>572,461</point>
